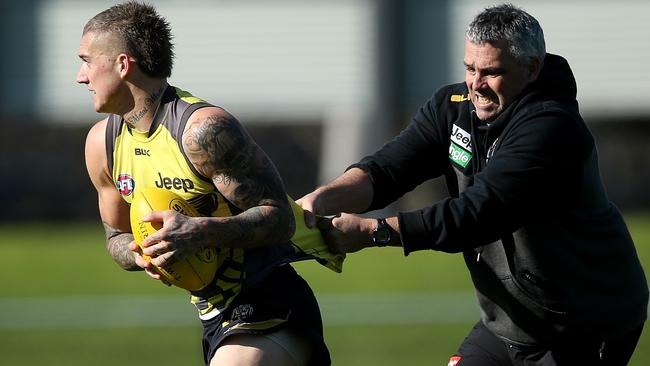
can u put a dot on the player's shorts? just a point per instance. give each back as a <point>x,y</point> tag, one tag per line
<point>481,347</point>
<point>281,301</point>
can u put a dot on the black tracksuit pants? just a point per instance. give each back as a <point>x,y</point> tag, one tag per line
<point>482,348</point>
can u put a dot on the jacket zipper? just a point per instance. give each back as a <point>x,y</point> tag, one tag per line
<point>481,159</point>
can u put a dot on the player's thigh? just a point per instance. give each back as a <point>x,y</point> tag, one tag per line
<point>279,348</point>
<point>250,350</point>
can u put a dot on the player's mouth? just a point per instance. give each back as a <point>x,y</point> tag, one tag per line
<point>483,100</point>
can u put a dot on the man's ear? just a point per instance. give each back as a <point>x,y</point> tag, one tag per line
<point>534,68</point>
<point>124,64</point>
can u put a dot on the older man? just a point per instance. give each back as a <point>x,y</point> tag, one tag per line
<point>556,273</point>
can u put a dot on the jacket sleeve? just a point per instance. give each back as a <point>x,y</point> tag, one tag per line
<point>536,168</point>
<point>417,154</point>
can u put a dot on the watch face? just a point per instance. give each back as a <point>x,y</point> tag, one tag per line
<point>381,235</point>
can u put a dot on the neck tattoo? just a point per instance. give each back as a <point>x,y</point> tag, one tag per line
<point>148,103</point>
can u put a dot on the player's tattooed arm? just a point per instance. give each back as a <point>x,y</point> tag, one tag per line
<point>117,244</point>
<point>221,149</point>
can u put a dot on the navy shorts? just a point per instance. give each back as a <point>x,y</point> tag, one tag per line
<point>282,300</point>
<point>482,348</point>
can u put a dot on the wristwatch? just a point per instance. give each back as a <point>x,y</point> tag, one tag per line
<point>381,235</point>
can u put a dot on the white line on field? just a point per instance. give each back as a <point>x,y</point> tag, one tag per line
<point>151,311</point>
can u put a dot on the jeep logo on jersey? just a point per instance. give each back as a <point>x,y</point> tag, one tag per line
<point>175,182</point>
<point>125,184</point>
<point>460,147</point>
<point>461,138</point>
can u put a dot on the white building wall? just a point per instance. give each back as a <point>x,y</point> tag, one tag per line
<point>265,60</point>
<point>606,43</point>
<point>281,61</point>
<point>293,60</point>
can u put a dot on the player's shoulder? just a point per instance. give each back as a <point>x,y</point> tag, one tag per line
<point>207,113</point>
<point>207,118</point>
<point>452,95</point>
<point>96,134</point>
<point>95,151</point>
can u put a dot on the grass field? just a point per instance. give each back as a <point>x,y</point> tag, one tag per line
<point>64,301</point>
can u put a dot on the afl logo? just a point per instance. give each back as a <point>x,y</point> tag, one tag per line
<point>125,184</point>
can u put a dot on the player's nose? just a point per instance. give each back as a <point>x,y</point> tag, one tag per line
<point>82,78</point>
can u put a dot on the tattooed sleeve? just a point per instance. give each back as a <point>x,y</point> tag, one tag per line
<point>222,150</point>
<point>117,244</point>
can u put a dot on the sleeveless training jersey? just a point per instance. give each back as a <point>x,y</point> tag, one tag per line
<point>156,159</point>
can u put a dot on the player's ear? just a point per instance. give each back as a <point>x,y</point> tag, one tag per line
<point>124,63</point>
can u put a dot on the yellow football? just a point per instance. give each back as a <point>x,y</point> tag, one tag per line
<point>194,272</point>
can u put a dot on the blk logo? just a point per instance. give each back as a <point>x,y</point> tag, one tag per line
<point>141,152</point>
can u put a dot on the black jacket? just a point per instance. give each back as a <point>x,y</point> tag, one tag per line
<point>550,256</point>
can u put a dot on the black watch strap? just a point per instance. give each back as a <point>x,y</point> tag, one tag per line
<point>382,234</point>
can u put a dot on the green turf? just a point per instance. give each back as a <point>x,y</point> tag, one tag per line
<point>102,347</point>
<point>69,261</point>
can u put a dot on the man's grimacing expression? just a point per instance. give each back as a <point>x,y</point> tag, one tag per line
<point>494,77</point>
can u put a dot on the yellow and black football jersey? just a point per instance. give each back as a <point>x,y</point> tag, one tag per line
<point>156,159</point>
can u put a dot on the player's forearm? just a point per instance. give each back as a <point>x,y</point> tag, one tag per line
<point>117,244</point>
<point>255,227</point>
<point>351,192</point>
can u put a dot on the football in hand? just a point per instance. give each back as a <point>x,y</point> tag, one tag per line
<point>194,272</point>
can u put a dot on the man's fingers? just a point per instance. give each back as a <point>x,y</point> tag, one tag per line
<point>152,272</point>
<point>154,216</point>
<point>155,247</point>
<point>308,211</point>
<point>135,247</point>
<point>164,260</point>
<point>152,240</point>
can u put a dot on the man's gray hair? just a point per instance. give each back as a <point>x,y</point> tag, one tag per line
<point>506,22</point>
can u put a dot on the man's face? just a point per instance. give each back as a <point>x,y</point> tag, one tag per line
<point>494,77</point>
<point>100,71</point>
